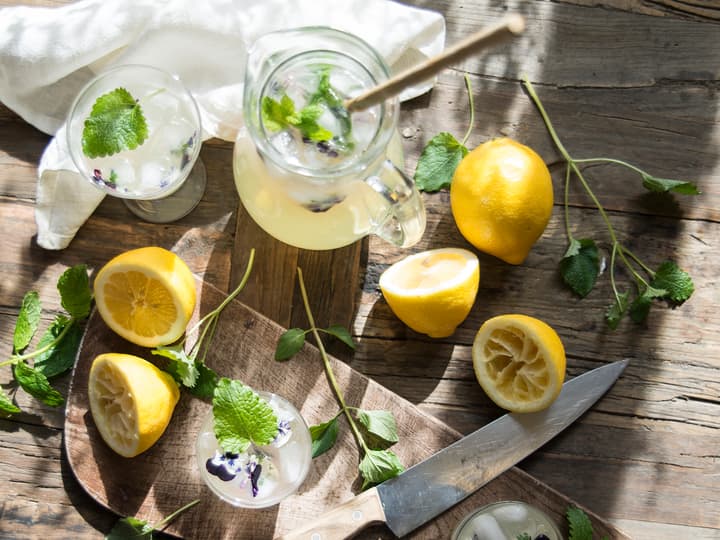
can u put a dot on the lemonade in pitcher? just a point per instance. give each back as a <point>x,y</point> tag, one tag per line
<point>308,172</point>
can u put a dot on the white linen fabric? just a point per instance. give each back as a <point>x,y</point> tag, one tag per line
<point>48,54</point>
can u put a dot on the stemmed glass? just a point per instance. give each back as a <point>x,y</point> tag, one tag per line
<point>161,180</point>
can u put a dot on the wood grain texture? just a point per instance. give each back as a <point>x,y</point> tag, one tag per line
<point>630,79</point>
<point>152,485</point>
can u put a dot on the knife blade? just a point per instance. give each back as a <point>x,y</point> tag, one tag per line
<point>430,487</point>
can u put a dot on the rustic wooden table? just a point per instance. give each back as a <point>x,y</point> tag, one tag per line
<point>627,79</point>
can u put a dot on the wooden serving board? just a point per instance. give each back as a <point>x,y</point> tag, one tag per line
<point>155,483</point>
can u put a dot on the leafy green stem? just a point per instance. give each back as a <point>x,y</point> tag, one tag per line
<point>176,513</point>
<point>566,203</point>
<point>468,86</point>
<point>328,369</point>
<point>27,356</point>
<point>611,160</point>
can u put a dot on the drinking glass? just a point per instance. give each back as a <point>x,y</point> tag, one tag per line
<point>162,179</point>
<point>323,192</point>
<point>506,519</point>
<point>284,463</point>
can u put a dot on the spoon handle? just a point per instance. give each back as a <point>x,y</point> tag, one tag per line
<point>512,24</point>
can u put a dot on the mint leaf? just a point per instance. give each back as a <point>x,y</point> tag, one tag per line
<point>206,382</point>
<point>380,424</point>
<point>181,366</point>
<point>524,536</point>
<point>663,185</point>
<point>580,266</point>
<point>676,282</point>
<point>275,113</point>
<point>307,123</point>
<point>116,123</point>
<point>616,310</point>
<point>131,528</point>
<point>579,524</point>
<point>60,357</point>
<point>378,466</point>
<point>241,417</point>
<point>290,344</point>
<point>75,293</point>
<point>438,162</point>
<point>323,436</point>
<point>37,385</point>
<point>6,404</point>
<point>640,307</point>
<point>342,334</point>
<point>27,321</point>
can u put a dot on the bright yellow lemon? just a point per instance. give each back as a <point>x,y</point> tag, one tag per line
<point>519,361</point>
<point>432,292</point>
<point>131,401</point>
<point>146,295</point>
<point>501,197</point>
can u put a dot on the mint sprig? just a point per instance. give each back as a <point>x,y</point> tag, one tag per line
<point>188,368</point>
<point>116,123</point>
<point>241,417</point>
<point>133,528</point>
<point>374,430</point>
<point>443,154</point>
<point>56,349</point>
<point>579,267</point>
<point>579,524</point>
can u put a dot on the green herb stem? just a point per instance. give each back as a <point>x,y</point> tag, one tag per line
<point>176,513</point>
<point>567,203</point>
<point>468,86</point>
<point>328,369</point>
<point>611,160</point>
<point>21,357</point>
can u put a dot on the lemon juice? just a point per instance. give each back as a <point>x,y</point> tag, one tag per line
<point>308,172</point>
<point>261,476</point>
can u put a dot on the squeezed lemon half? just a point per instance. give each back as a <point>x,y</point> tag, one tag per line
<point>131,401</point>
<point>433,291</point>
<point>146,295</point>
<point>519,361</point>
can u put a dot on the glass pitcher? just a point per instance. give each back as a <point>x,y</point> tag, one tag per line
<point>309,173</point>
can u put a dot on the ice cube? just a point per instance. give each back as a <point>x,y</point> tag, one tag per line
<point>486,527</point>
<point>512,513</point>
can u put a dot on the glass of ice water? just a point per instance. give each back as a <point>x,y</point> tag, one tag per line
<point>507,520</point>
<point>161,180</point>
<point>262,476</point>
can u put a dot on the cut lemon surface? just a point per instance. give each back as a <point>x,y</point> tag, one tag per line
<point>501,198</point>
<point>131,401</point>
<point>519,361</point>
<point>146,295</point>
<point>432,292</point>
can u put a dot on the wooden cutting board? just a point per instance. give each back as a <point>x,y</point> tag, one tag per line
<point>157,482</point>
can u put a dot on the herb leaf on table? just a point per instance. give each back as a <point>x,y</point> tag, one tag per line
<point>377,464</point>
<point>132,528</point>
<point>57,348</point>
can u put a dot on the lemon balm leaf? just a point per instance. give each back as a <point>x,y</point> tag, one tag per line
<point>675,281</point>
<point>6,404</point>
<point>579,524</point>
<point>131,528</point>
<point>181,366</point>
<point>580,266</point>
<point>640,307</point>
<point>617,310</point>
<point>378,466</point>
<point>323,437</point>
<point>290,344</point>
<point>380,424</point>
<point>342,334</point>
<point>37,385</point>
<point>116,123</point>
<point>60,357</point>
<point>27,321</point>
<point>241,417</point>
<point>664,185</point>
<point>438,162</point>
<point>75,294</point>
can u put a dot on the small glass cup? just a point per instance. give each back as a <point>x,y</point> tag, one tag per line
<point>264,475</point>
<point>162,179</point>
<point>506,520</point>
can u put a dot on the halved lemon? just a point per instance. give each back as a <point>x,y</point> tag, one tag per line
<point>519,361</point>
<point>131,401</point>
<point>146,295</point>
<point>433,291</point>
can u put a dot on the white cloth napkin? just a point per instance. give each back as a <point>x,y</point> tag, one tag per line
<point>48,54</point>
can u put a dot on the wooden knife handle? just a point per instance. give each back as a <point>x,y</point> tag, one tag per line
<point>343,521</point>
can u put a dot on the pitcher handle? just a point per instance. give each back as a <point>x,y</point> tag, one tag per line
<point>403,220</point>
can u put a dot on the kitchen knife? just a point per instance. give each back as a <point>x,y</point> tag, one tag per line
<point>432,486</point>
